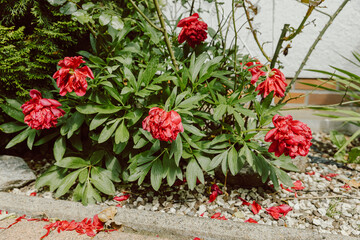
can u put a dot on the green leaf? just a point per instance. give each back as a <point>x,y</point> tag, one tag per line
<point>285,163</point>
<point>170,169</point>
<point>171,99</point>
<point>284,177</point>
<point>215,162</point>
<point>98,120</point>
<point>274,178</point>
<point>52,177</point>
<point>108,131</point>
<point>193,172</point>
<point>122,133</point>
<point>219,111</point>
<point>59,148</point>
<point>76,142</point>
<point>133,117</point>
<point>130,77</point>
<point>87,6</point>
<point>156,174</point>
<point>104,18</point>
<point>66,183</point>
<point>195,68</point>
<point>117,23</point>
<point>354,154</point>
<point>106,109</point>
<point>191,102</point>
<point>69,8</point>
<point>19,138</point>
<point>46,139</point>
<point>31,138</point>
<point>75,122</point>
<point>83,175</point>
<point>96,157</point>
<point>118,148</point>
<point>233,161</point>
<point>102,182</point>
<point>12,127</point>
<point>177,149</point>
<point>86,109</point>
<point>338,139</point>
<point>56,2</point>
<point>72,162</point>
<point>192,129</point>
<point>202,160</point>
<point>82,16</point>
<point>12,112</point>
<point>90,195</point>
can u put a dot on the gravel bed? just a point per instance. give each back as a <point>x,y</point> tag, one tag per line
<point>325,204</point>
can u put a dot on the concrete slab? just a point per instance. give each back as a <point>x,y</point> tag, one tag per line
<point>165,225</point>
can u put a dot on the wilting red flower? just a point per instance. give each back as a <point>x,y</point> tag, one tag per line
<point>193,31</point>
<point>275,81</point>
<point>213,196</point>
<point>71,77</point>
<point>40,112</point>
<point>289,137</point>
<point>250,220</point>
<point>244,202</point>
<point>279,211</point>
<point>298,185</point>
<point>163,125</point>
<point>255,207</point>
<point>256,71</point>
<point>122,198</point>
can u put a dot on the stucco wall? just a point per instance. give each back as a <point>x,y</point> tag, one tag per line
<point>341,38</point>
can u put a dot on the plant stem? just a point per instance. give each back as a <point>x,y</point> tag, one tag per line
<point>322,32</point>
<point>235,45</point>
<point>219,24</point>
<point>256,129</point>
<point>254,33</point>
<point>192,7</point>
<point>279,44</point>
<point>167,41</point>
<point>298,30</point>
<point>145,17</point>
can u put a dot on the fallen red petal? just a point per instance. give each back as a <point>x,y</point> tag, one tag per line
<point>284,209</point>
<point>213,196</point>
<point>33,194</point>
<point>255,207</point>
<point>244,202</point>
<point>310,173</point>
<point>250,220</point>
<point>201,215</point>
<point>216,215</point>
<point>286,189</point>
<point>298,185</point>
<point>346,187</point>
<point>274,212</point>
<point>122,198</point>
<point>197,238</point>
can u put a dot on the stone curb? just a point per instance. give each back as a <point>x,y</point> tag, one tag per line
<point>163,224</point>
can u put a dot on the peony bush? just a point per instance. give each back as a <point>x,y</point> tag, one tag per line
<point>152,109</point>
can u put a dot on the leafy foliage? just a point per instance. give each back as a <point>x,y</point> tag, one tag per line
<point>100,140</point>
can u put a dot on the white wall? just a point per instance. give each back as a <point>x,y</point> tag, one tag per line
<point>342,37</point>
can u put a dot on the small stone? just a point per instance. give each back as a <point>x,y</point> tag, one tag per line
<point>240,215</point>
<point>317,221</point>
<point>281,222</point>
<point>202,209</point>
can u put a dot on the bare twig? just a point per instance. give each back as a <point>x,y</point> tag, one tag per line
<point>313,47</point>
<point>235,45</point>
<point>254,33</point>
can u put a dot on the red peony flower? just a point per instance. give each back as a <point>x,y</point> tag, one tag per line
<point>193,31</point>
<point>163,125</point>
<point>256,71</point>
<point>72,78</point>
<point>40,112</point>
<point>275,81</point>
<point>289,137</point>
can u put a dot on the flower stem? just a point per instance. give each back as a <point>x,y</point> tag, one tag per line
<point>256,129</point>
<point>167,41</point>
<point>235,45</point>
<point>192,7</point>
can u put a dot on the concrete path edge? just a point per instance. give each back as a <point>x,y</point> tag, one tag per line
<point>163,224</point>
